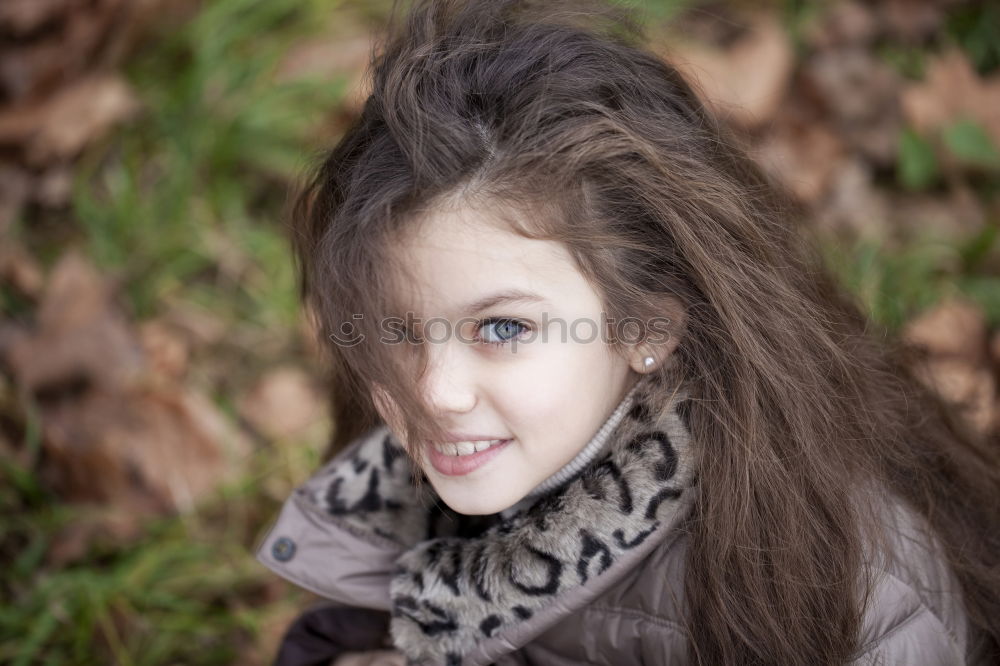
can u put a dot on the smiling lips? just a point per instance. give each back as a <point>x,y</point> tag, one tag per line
<point>458,458</point>
<point>465,448</point>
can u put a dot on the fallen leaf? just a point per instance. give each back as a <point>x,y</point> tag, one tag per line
<point>853,205</point>
<point>113,431</point>
<point>15,188</point>
<point>803,153</point>
<point>995,347</point>
<point>957,213</point>
<point>952,90</point>
<point>283,403</point>
<point>332,57</point>
<point>20,270</point>
<point>277,616</point>
<point>861,95</point>
<point>92,526</point>
<point>19,17</point>
<point>79,334</point>
<point>746,82</point>
<point>154,451</point>
<point>841,24</point>
<point>54,187</point>
<point>955,329</point>
<point>58,128</point>
<point>198,325</point>
<point>970,389</point>
<point>67,42</point>
<point>26,68</point>
<point>166,350</point>
<point>912,21</point>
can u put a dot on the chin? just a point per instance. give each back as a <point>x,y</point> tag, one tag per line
<point>476,505</point>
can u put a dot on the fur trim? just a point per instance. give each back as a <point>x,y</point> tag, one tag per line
<point>462,579</point>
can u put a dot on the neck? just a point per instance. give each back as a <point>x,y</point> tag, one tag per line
<point>597,445</point>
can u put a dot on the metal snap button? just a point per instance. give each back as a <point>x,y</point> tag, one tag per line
<point>283,549</point>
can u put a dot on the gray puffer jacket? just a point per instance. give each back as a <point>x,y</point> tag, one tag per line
<point>590,574</point>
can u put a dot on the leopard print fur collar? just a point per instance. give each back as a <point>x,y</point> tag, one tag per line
<point>461,580</point>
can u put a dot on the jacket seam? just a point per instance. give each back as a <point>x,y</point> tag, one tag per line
<point>911,588</point>
<point>875,642</point>
<point>639,614</point>
<point>881,640</point>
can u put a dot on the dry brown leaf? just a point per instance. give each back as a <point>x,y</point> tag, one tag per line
<point>199,326</point>
<point>745,83</point>
<point>79,334</point>
<point>959,212</point>
<point>54,187</point>
<point>971,389</point>
<point>27,70</point>
<point>804,155</point>
<point>861,94</point>
<point>100,524</point>
<point>23,16</point>
<point>15,188</point>
<point>283,403</point>
<point>58,128</point>
<point>153,451</point>
<point>952,90</point>
<point>853,204</point>
<point>954,329</point>
<point>11,411</point>
<point>912,21</point>
<point>166,350</point>
<point>114,432</point>
<point>331,57</point>
<point>20,270</point>
<point>7,449</point>
<point>841,24</point>
<point>56,42</point>
<point>67,42</point>
<point>278,615</point>
<point>8,406</point>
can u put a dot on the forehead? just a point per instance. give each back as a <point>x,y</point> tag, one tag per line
<point>458,255</point>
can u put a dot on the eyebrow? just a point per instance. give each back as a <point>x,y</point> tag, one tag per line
<point>502,298</point>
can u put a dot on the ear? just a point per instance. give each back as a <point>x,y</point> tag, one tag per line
<point>663,334</point>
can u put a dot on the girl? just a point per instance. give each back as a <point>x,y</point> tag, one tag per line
<point>597,399</point>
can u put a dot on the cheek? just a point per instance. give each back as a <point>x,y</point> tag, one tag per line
<point>544,392</point>
<point>578,386</point>
<point>523,394</point>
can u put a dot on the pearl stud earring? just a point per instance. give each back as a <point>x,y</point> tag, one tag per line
<point>648,362</point>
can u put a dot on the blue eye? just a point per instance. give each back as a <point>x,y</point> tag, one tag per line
<point>503,330</point>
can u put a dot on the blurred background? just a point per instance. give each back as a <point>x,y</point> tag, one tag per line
<point>160,393</point>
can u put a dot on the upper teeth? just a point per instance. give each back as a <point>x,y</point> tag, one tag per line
<point>465,448</point>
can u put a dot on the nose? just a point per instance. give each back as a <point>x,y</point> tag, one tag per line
<point>447,382</point>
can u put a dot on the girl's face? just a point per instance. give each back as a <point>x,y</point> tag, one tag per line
<point>516,352</point>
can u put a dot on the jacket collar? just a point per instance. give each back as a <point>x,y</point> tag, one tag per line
<point>465,589</point>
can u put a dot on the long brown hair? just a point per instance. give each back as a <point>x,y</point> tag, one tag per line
<point>551,118</point>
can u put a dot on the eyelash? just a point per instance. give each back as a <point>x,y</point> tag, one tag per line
<point>502,320</point>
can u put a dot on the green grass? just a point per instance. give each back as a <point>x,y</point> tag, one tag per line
<point>894,282</point>
<point>187,591</point>
<point>179,590</point>
<point>186,202</point>
<point>184,205</point>
<point>976,27</point>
